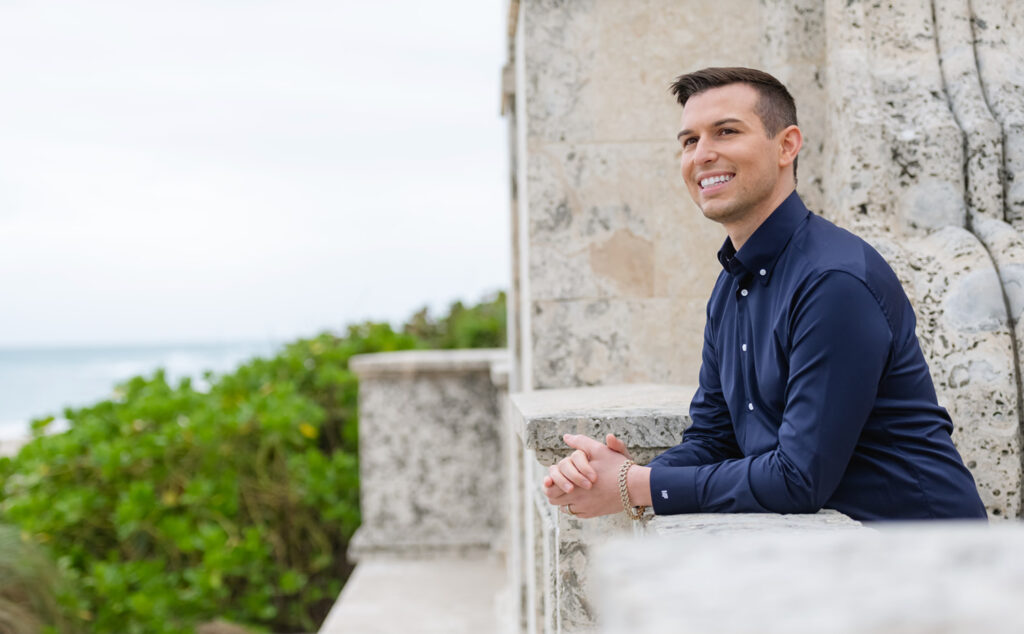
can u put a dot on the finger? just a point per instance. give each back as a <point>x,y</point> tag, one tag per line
<point>579,460</point>
<point>572,473</point>
<point>548,482</point>
<point>556,496</point>
<point>617,445</point>
<point>585,444</point>
<point>560,480</point>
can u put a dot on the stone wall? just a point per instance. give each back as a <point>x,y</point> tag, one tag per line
<point>615,262</point>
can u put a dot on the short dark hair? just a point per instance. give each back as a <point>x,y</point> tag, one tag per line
<point>775,106</point>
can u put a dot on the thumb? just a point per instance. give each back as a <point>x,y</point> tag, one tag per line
<point>585,444</point>
<point>617,445</point>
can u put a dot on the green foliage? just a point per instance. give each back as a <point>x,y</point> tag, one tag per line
<point>169,505</point>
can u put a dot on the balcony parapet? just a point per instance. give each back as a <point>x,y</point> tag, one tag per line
<point>649,418</point>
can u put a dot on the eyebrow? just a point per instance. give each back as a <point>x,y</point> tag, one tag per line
<point>716,124</point>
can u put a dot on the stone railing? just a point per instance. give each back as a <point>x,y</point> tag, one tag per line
<point>458,537</point>
<point>432,491</point>
<point>552,575</point>
<point>747,574</point>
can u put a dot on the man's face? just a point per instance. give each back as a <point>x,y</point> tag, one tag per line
<point>729,163</point>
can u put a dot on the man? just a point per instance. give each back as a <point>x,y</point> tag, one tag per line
<point>814,392</point>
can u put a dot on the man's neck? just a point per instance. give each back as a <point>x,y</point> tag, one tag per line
<point>740,231</point>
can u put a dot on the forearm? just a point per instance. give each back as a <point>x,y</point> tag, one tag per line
<point>638,483</point>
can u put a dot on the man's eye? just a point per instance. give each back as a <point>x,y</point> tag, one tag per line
<point>689,141</point>
<point>727,131</point>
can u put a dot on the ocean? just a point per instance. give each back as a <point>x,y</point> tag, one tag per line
<point>37,382</point>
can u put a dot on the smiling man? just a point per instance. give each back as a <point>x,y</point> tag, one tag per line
<point>814,392</point>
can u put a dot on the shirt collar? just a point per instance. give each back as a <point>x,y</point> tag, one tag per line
<point>763,248</point>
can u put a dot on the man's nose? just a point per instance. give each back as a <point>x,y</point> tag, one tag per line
<point>704,152</point>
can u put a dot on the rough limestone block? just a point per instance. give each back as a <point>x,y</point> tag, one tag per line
<point>605,214</point>
<point>921,132</point>
<point>426,419</point>
<point>599,71</point>
<point>912,579</point>
<point>613,222</point>
<point>793,50</point>
<point>964,333</point>
<point>648,418</point>
<point>894,149</point>
<point>605,341</point>
<point>857,161</point>
<point>982,135</point>
<point>998,27</point>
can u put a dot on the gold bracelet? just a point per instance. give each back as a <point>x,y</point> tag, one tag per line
<point>633,512</point>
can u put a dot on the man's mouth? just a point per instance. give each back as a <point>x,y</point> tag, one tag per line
<point>710,182</point>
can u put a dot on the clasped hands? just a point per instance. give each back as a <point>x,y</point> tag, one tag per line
<point>586,483</point>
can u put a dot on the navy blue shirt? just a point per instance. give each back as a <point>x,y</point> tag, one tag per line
<point>814,392</point>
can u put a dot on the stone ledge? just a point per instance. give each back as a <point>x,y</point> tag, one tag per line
<point>388,544</point>
<point>956,578</point>
<point>444,596</point>
<point>723,523</point>
<point>411,362</point>
<point>649,418</point>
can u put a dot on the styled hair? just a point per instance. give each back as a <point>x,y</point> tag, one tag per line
<point>775,106</point>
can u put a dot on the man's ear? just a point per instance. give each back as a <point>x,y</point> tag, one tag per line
<point>790,142</point>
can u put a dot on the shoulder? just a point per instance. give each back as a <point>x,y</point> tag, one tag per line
<point>831,257</point>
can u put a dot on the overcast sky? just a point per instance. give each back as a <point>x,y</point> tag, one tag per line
<point>225,170</point>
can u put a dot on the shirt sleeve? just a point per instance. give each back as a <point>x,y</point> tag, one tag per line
<point>840,343</point>
<point>710,437</point>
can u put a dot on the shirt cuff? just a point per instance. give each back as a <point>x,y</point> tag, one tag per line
<point>674,490</point>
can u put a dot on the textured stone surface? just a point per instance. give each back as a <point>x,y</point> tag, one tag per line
<point>964,333</point>
<point>895,148</point>
<point>793,49</point>
<point>723,523</point>
<point>998,28</point>
<point>423,426</point>
<point>648,418</point>
<point>982,134</point>
<point>605,220</point>
<point>436,596</point>
<point>915,579</point>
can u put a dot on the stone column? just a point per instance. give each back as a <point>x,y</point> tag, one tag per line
<point>430,453</point>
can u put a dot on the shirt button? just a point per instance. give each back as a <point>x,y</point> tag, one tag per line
<point>744,292</point>
<point>763,272</point>
<point>750,406</point>
<point>744,347</point>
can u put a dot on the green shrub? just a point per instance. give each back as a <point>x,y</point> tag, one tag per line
<point>169,506</point>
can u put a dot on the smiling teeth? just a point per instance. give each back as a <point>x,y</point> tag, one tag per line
<point>714,180</point>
